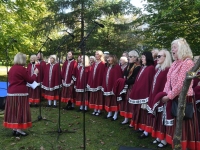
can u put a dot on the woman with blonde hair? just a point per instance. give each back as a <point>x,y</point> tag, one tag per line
<point>17,110</point>
<point>111,74</point>
<point>94,84</point>
<point>82,74</point>
<point>154,119</point>
<point>92,60</point>
<point>183,62</point>
<point>34,94</point>
<point>68,79</point>
<point>52,82</point>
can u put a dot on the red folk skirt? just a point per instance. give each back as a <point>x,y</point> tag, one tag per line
<point>190,132</point>
<point>139,117</point>
<point>96,100</point>
<point>82,98</point>
<point>111,103</point>
<point>68,94</point>
<point>159,129</point>
<point>34,95</point>
<point>51,95</point>
<point>125,107</point>
<point>148,126</point>
<point>17,113</point>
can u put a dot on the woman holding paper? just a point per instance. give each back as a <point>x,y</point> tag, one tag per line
<point>17,110</point>
<point>34,92</point>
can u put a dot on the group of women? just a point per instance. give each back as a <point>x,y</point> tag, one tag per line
<point>141,89</point>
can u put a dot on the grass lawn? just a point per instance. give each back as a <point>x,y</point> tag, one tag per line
<point>101,134</point>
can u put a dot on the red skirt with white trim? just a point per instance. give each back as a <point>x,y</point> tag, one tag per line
<point>125,107</point>
<point>82,98</point>
<point>17,113</point>
<point>34,95</point>
<point>51,95</point>
<point>68,94</point>
<point>96,100</point>
<point>111,103</point>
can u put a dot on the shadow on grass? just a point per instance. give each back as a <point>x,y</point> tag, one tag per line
<point>101,134</point>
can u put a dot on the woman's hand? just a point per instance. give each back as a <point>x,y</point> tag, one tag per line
<point>165,99</point>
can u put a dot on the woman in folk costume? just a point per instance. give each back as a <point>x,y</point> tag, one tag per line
<point>82,74</point>
<point>92,60</point>
<point>94,85</point>
<point>111,74</point>
<point>154,119</point>
<point>52,81</point>
<point>17,110</point>
<point>42,65</point>
<point>68,79</point>
<point>34,94</point>
<point>182,55</point>
<point>123,63</point>
<point>141,90</point>
<point>130,74</point>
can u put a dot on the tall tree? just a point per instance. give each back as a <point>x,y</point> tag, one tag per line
<point>18,21</point>
<point>76,16</point>
<point>170,19</point>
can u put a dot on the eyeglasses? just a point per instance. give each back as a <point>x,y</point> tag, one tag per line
<point>159,56</point>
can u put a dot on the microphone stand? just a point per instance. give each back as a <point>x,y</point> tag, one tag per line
<point>82,45</point>
<point>40,92</point>
<point>59,130</point>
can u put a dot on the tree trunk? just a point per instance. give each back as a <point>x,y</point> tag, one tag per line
<point>82,24</point>
<point>181,106</point>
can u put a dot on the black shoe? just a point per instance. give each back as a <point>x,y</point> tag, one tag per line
<point>114,119</point>
<point>21,134</point>
<point>142,136</point>
<point>36,105</point>
<point>30,105</point>
<point>124,123</point>
<point>108,117</point>
<point>85,111</point>
<point>48,105</point>
<point>14,133</point>
<point>79,110</point>
<point>54,106</point>
<point>138,131</point>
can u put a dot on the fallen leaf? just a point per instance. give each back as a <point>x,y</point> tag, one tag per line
<point>12,143</point>
<point>42,148</point>
<point>18,138</point>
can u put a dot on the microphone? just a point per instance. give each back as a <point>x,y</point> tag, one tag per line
<point>69,34</point>
<point>99,24</point>
<point>49,38</point>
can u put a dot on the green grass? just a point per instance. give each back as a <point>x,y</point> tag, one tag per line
<point>101,134</point>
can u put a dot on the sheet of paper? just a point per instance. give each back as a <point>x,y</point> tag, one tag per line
<point>33,85</point>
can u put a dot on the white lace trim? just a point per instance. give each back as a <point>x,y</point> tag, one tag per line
<point>197,101</point>
<point>67,85</point>
<point>51,89</point>
<point>138,101</point>
<point>94,89</point>
<point>119,98</point>
<point>17,94</point>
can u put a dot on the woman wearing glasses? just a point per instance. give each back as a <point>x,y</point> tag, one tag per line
<point>154,120</point>
<point>140,92</point>
<point>182,55</point>
<point>130,74</point>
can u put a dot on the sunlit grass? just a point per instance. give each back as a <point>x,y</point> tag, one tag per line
<point>101,134</point>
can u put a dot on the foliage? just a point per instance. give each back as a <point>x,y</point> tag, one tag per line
<point>171,19</point>
<point>76,16</point>
<point>18,21</point>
